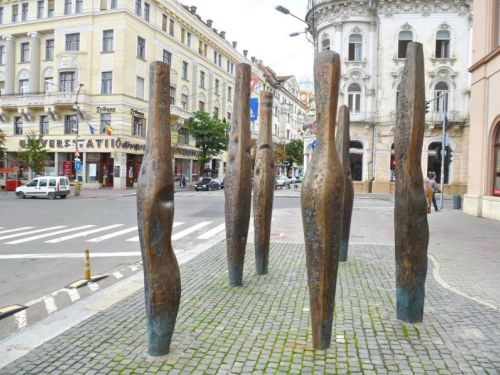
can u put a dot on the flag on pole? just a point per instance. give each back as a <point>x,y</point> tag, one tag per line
<point>254,81</point>
<point>109,130</point>
<point>92,129</point>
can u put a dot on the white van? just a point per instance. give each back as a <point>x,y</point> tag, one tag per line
<point>47,186</point>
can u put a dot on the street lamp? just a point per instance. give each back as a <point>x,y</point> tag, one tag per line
<point>310,27</point>
<point>78,163</point>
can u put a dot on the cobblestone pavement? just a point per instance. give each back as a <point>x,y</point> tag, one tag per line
<point>263,327</point>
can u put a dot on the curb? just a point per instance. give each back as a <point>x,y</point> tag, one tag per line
<point>45,306</point>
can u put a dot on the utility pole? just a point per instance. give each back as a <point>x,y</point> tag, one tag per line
<point>443,152</point>
<point>78,163</point>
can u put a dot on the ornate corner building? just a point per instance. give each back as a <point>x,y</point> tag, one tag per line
<point>371,37</point>
<point>77,72</point>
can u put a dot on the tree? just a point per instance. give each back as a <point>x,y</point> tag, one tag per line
<point>33,154</point>
<point>2,148</point>
<point>210,135</point>
<point>289,154</point>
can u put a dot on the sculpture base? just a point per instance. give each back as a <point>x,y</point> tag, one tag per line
<point>410,304</point>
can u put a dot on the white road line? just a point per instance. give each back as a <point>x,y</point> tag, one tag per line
<point>14,230</point>
<point>190,230</point>
<point>93,286</point>
<point>31,232</point>
<point>117,274</point>
<point>73,294</point>
<point>111,235</point>
<point>136,238</point>
<point>83,234</point>
<point>20,319</point>
<point>50,304</point>
<point>49,234</point>
<point>212,232</point>
<point>69,255</point>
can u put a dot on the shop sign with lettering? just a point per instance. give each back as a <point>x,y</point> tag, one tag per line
<point>105,109</point>
<point>89,144</point>
<point>136,113</point>
<point>187,152</point>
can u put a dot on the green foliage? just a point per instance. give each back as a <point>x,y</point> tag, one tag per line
<point>289,154</point>
<point>33,154</point>
<point>210,135</point>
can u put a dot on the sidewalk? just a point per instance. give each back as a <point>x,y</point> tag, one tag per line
<point>263,327</point>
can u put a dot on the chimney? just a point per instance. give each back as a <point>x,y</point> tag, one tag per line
<point>245,52</point>
<point>215,30</point>
<point>235,44</point>
<point>223,34</point>
<point>253,59</point>
<point>193,9</point>
<point>209,23</point>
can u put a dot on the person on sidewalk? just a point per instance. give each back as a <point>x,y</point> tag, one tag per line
<point>428,195</point>
<point>435,190</point>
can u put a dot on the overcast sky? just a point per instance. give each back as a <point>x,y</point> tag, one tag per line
<point>263,31</point>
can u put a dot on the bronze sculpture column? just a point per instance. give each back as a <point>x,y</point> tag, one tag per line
<point>238,185</point>
<point>155,213</point>
<point>263,192</point>
<point>322,201</point>
<point>410,210</point>
<point>343,140</point>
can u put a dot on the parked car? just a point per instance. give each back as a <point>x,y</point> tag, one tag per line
<point>282,182</point>
<point>45,186</point>
<point>297,179</point>
<point>208,184</point>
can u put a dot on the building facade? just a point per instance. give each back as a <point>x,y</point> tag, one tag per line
<point>483,193</point>
<point>77,71</point>
<point>371,38</point>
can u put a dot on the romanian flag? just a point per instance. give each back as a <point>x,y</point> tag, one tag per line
<point>109,130</point>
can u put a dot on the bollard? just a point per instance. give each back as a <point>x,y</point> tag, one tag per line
<point>77,188</point>
<point>87,264</point>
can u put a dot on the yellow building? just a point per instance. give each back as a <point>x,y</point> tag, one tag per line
<point>77,71</point>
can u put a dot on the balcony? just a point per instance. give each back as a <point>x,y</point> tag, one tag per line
<point>178,112</point>
<point>52,99</point>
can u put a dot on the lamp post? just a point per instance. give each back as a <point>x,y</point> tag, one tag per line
<point>78,163</point>
<point>309,29</point>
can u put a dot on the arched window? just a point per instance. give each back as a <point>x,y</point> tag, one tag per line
<point>355,47</point>
<point>441,95</point>
<point>201,102</point>
<point>434,158</point>
<point>443,44</point>
<point>48,81</point>
<point>325,45</point>
<point>496,164</point>
<point>356,156</point>
<point>185,98</point>
<point>405,37</point>
<point>24,82</point>
<point>354,98</point>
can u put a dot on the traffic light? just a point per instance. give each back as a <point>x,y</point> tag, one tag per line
<point>448,158</point>
<point>427,106</point>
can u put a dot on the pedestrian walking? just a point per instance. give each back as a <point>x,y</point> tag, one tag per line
<point>428,195</point>
<point>183,179</point>
<point>435,189</point>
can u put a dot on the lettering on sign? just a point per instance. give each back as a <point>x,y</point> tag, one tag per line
<point>105,109</point>
<point>136,113</point>
<point>187,152</point>
<point>89,144</point>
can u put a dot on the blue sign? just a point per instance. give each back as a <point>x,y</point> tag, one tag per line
<point>254,109</point>
<point>78,165</point>
<point>313,145</point>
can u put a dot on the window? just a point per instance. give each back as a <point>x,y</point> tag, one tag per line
<point>217,86</point>
<point>24,11</point>
<point>219,62</point>
<point>73,42</point>
<point>141,48</point>
<point>24,86</point>
<point>228,115</point>
<point>184,102</point>
<point>67,81</point>
<point>138,7</point>
<point>441,95</point>
<point>229,94</point>
<point>167,57</point>
<point>354,98</point>
<point>113,4</point>
<point>325,45</point>
<point>405,37</point>
<point>171,28</point>
<point>48,84</point>
<point>15,13</point>
<point>496,158</point>
<point>137,126</point>
<point>104,5</point>
<point>105,122</point>
<point>44,125</point>
<point>356,158</point>
<point>67,6</point>
<point>40,10</point>
<point>185,70</point>
<point>107,40</point>
<point>106,83</point>
<point>70,124</point>
<point>25,52</point>
<point>139,88</point>
<point>443,44</point>
<point>201,105</point>
<point>202,79</point>
<point>216,112</point>
<point>146,11</point>
<point>355,47</point>
<point>1,15</point>
<point>2,55</point>
<point>49,49</point>
<point>172,95</point>
<point>79,6</point>
<point>164,20</point>
<point>50,8</point>
<point>183,136</point>
<point>18,125</point>
<point>188,39</point>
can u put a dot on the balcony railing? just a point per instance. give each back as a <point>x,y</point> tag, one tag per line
<point>43,99</point>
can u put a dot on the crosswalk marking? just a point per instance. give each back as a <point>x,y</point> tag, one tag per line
<point>114,234</point>
<point>49,234</point>
<point>70,255</point>
<point>189,230</point>
<point>83,234</point>
<point>14,230</point>
<point>31,232</point>
<point>136,238</point>
<point>212,232</point>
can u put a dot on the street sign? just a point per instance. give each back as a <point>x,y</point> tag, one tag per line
<point>254,109</point>
<point>78,165</point>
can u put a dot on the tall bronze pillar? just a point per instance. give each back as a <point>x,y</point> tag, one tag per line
<point>238,185</point>
<point>410,210</point>
<point>264,184</point>
<point>343,140</point>
<point>155,214</point>
<point>322,202</point>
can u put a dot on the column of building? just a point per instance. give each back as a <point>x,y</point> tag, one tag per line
<point>34,62</point>
<point>10,63</point>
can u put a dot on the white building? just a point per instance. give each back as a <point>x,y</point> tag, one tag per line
<point>371,38</point>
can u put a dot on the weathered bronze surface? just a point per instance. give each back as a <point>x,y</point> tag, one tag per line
<point>238,185</point>
<point>155,213</point>
<point>322,200</point>
<point>263,192</point>
<point>410,210</point>
<point>343,141</point>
